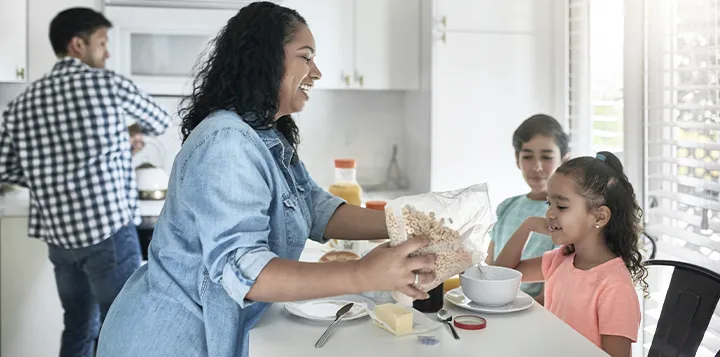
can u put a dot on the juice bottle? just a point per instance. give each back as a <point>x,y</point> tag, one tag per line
<point>346,186</point>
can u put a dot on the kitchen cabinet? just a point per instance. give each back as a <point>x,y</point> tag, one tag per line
<point>364,44</point>
<point>13,41</point>
<point>472,128</point>
<point>488,15</point>
<point>485,68</point>
<point>30,310</point>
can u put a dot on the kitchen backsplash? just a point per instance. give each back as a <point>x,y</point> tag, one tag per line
<point>363,125</point>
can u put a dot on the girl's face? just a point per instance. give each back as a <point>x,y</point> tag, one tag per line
<point>568,216</point>
<point>538,159</point>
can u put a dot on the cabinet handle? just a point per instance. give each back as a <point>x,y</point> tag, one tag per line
<point>444,21</point>
<point>20,73</point>
<point>346,79</point>
<point>361,80</point>
<point>443,37</point>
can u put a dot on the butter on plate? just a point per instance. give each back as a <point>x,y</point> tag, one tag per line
<point>401,320</point>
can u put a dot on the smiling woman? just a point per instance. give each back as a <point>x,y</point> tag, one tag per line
<point>240,206</point>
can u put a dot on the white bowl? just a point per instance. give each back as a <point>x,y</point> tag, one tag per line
<point>500,287</point>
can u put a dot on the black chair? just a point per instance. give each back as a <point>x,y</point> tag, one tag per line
<point>689,305</point>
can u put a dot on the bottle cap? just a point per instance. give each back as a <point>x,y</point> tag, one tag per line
<point>470,322</point>
<point>345,163</point>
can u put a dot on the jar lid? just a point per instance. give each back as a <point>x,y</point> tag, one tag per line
<point>470,322</point>
<point>376,205</point>
<point>344,163</point>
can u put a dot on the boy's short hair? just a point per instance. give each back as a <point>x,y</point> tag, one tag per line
<point>77,21</point>
<point>541,124</point>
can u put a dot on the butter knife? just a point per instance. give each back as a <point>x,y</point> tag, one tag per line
<point>338,316</point>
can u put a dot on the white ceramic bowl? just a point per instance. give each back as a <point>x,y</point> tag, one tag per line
<point>500,287</point>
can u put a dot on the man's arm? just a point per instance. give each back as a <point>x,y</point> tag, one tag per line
<point>10,170</point>
<point>151,117</point>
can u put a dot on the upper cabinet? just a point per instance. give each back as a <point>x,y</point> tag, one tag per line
<point>364,44</point>
<point>387,44</point>
<point>488,15</point>
<point>158,47</point>
<point>13,41</point>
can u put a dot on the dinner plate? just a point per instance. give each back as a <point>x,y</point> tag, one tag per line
<point>521,302</point>
<point>325,309</point>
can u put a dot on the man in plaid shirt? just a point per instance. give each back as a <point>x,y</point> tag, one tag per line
<point>66,138</point>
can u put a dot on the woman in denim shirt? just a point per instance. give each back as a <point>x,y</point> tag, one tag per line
<point>241,205</point>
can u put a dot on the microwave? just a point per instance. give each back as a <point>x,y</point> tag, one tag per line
<point>158,47</point>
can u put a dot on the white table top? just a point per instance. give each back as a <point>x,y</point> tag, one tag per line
<point>533,332</point>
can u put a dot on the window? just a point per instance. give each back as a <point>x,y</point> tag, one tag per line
<point>596,76</point>
<point>682,79</point>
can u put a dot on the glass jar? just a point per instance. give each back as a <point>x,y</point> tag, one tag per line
<point>345,185</point>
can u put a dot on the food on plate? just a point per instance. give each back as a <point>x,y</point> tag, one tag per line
<point>338,256</point>
<point>398,318</point>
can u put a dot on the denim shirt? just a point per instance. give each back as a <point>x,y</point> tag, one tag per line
<point>236,200</point>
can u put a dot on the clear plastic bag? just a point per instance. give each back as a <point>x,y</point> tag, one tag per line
<point>456,222</point>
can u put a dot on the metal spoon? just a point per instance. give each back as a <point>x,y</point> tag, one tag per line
<point>339,315</point>
<point>482,272</point>
<point>445,317</point>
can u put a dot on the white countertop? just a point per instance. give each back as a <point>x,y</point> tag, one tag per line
<point>533,332</point>
<point>16,203</point>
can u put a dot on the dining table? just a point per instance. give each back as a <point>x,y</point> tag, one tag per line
<point>534,331</point>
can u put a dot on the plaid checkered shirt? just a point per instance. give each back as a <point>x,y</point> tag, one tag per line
<point>66,139</point>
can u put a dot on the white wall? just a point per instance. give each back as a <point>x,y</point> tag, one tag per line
<point>362,125</point>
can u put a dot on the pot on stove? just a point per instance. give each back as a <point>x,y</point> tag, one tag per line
<point>152,182</point>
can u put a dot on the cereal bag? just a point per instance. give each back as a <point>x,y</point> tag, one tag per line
<point>456,222</point>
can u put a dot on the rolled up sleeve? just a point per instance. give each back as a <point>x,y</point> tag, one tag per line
<point>227,183</point>
<point>324,206</point>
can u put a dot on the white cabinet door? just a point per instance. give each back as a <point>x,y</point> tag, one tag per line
<point>484,86</point>
<point>332,24</point>
<point>387,44</point>
<point>488,15</point>
<point>13,41</point>
<point>30,310</point>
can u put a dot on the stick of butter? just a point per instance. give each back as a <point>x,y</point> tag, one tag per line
<point>398,318</point>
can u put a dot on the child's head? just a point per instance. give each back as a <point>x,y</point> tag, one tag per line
<point>541,146</point>
<point>590,198</point>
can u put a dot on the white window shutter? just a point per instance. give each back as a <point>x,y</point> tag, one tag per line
<point>682,77</point>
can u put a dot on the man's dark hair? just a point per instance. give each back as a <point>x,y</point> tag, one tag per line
<point>77,21</point>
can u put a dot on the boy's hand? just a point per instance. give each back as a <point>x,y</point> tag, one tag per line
<point>538,225</point>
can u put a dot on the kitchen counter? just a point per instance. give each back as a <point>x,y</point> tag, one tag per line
<point>16,203</point>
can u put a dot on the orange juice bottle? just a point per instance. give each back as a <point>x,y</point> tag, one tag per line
<point>346,186</point>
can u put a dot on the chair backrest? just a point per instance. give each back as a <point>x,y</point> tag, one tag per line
<point>689,305</point>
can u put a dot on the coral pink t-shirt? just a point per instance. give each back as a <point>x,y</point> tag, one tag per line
<point>599,301</point>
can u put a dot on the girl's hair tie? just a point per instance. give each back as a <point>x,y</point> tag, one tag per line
<point>600,157</point>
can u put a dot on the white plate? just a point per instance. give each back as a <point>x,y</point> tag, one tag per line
<point>325,309</point>
<point>522,301</point>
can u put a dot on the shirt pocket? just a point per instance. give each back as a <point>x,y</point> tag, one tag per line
<point>297,229</point>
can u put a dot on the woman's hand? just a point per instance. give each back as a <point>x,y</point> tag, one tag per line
<point>538,225</point>
<point>390,268</point>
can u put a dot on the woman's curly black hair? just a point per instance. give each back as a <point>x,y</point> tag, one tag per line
<point>602,182</point>
<point>243,70</point>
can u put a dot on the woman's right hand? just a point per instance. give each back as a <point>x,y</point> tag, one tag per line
<point>388,268</point>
